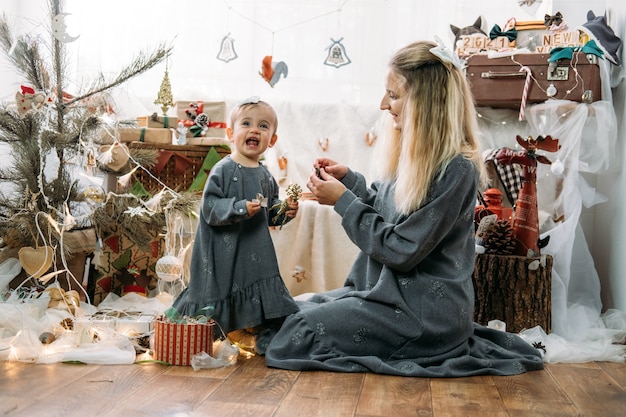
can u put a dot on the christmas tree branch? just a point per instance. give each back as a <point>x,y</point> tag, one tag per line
<point>23,53</point>
<point>58,64</point>
<point>142,63</point>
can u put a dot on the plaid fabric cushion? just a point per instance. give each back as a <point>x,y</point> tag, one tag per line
<point>509,175</point>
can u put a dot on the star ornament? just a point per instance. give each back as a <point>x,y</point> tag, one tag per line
<point>138,211</point>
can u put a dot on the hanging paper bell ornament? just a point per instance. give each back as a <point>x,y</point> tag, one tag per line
<point>337,56</point>
<point>169,268</point>
<point>227,49</point>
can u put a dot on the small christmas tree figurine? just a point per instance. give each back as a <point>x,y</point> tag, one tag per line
<point>164,98</point>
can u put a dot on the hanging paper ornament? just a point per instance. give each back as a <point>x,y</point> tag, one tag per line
<point>94,194</point>
<point>36,261</point>
<point>29,99</point>
<point>337,56</point>
<point>371,137</point>
<point>169,268</point>
<point>271,72</point>
<point>59,29</point>
<point>114,156</point>
<point>227,49</point>
<point>323,143</point>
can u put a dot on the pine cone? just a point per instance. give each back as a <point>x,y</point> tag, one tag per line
<point>498,240</point>
<point>294,191</point>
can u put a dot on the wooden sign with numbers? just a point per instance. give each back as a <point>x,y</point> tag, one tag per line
<point>471,44</point>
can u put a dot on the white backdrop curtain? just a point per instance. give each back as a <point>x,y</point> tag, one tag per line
<point>296,32</point>
<point>318,100</point>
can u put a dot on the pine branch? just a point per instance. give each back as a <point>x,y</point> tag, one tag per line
<point>142,63</point>
<point>43,138</point>
<point>25,56</point>
<point>58,54</point>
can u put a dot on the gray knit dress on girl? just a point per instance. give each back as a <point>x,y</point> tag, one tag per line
<point>407,304</point>
<point>234,271</point>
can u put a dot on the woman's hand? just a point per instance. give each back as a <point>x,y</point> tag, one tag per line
<point>331,167</point>
<point>327,189</point>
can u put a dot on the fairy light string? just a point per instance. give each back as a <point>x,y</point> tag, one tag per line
<point>557,167</point>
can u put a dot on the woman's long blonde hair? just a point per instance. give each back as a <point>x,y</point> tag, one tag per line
<point>439,124</point>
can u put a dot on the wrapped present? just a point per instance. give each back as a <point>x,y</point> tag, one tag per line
<point>87,328</point>
<point>146,134</point>
<point>207,141</point>
<point>530,34</point>
<point>177,343</point>
<point>203,118</point>
<point>157,122</point>
<point>135,324</point>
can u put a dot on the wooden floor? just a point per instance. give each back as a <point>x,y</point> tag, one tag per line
<point>251,389</point>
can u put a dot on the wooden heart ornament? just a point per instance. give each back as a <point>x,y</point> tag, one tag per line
<point>36,261</point>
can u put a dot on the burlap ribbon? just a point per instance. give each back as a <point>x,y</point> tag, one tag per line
<point>64,299</point>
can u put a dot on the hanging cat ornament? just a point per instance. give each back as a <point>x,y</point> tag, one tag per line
<point>271,72</point>
<point>474,29</point>
<point>337,56</point>
<point>227,50</point>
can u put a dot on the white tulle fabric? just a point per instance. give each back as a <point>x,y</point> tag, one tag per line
<point>587,134</point>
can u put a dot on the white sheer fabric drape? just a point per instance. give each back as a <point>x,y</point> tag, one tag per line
<point>587,135</point>
<point>297,32</point>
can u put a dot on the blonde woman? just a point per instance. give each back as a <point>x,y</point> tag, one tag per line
<point>407,304</point>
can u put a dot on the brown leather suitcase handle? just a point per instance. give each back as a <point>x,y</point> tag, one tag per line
<point>491,74</point>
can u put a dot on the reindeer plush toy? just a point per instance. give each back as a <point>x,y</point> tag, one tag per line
<point>526,216</point>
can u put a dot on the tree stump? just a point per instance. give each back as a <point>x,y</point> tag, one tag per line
<point>508,290</point>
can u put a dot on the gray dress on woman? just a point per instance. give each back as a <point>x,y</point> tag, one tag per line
<point>234,271</point>
<point>407,304</point>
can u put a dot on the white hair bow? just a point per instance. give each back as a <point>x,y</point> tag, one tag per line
<point>447,55</point>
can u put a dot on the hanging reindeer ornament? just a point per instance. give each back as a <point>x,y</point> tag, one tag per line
<point>526,216</point>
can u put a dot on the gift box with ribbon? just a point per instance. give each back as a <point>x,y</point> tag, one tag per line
<point>203,118</point>
<point>177,343</point>
<point>157,122</point>
<point>146,134</point>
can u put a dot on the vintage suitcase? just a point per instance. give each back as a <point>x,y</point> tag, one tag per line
<point>499,83</point>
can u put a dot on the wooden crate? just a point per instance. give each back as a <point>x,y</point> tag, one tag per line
<point>168,175</point>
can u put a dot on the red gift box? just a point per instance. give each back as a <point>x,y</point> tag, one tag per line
<point>177,343</point>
